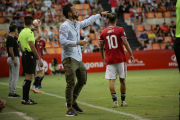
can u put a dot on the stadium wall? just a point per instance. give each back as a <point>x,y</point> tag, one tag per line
<point>144,60</point>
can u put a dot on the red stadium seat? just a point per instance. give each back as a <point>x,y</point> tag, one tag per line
<point>163,7</point>
<point>51,50</point>
<point>149,46</point>
<point>78,6</point>
<point>55,44</point>
<point>139,9</point>
<point>92,36</point>
<point>2,32</point>
<point>158,15</point>
<point>58,50</point>
<point>163,45</point>
<point>153,27</point>
<point>48,44</point>
<point>97,36</point>
<point>167,39</point>
<point>140,28</point>
<point>86,6</point>
<point>156,46</point>
<point>126,16</point>
<point>167,14</point>
<point>150,15</point>
<point>138,34</point>
<point>147,27</point>
<point>95,42</point>
<point>1,20</point>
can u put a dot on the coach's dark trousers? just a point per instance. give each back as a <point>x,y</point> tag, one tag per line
<point>74,69</point>
<point>177,51</point>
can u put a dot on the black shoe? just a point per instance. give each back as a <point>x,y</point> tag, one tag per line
<point>76,107</point>
<point>13,95</point>
<point>29,102</point>
<point>71,112</point>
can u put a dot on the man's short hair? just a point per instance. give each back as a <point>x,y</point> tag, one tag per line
<point>28,20</point>
<point>67,9</point>
<point>12,28</point>
<point>112,17</point>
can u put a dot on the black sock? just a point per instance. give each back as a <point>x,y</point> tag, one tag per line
<point>41,80</point>
<point>123,96</point>
<point>114,96</point>
<point>26,87</point>
<point>36,81</point>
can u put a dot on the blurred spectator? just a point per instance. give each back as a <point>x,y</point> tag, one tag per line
<point>49,17</point>
<point>85,32</point>
<point>142,2</point>
<point>7,16</point>
<point>96,49</point>
<point>113,5</point>
<point>44,34</point>
<point>21,26</point>
<point>2,5</point>
<point>53,10</point>
<point>157,31</point>
<point>40,16</point>
<point>44,8</point>
<point>99,7</point>
<point>33,3</point>
<point>51,35</point>
<point>2,105</point>
<point>154,6</point>
<point>168,5</point>
<point>164,30</point>
<point>91,46</point>
<point>64,2</point>
<point>168,46</point>
<point>159,9</point>
<point>87,49</point>
<point>82,1</point>
<point>25,3</point>
<point>4,40</point>
<point>30,8</point>
<point>0,53</point>
<point>27,13</point>
<point>17,3</point>
<point>144,38</point>
<point>10,9</point>
<point>47,3</point>
<point>16,17</point>
<point>172,28</point>
<point>152,37</point>
<point>4,52</point>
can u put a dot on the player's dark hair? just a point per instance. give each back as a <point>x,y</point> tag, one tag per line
<point>28,20</point>
<point>112,17</point>
<point>67,9</point>
<point>12,28</point>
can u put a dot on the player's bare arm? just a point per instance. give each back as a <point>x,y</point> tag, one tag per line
<point>46,51</point>
<point>126,44</point>
<point>102,51</point>
<point>39,33</point>
<point>12,55</point>
<point>33,48</point>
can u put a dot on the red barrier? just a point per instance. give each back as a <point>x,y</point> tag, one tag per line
<point>152,59</point>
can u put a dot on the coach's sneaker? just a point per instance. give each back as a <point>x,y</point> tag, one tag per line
<point>123,104</point>
<point>29,102</point>
<point>76,107</point>
<point>71,112</point>
<point>13,95</point>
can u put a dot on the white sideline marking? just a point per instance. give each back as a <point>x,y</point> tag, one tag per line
<point>98,107</point>
<point>20,114</point>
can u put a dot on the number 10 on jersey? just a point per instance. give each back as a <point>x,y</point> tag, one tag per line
<point>111,43</point>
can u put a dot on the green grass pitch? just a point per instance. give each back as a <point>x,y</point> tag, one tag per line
<point>151,94</point>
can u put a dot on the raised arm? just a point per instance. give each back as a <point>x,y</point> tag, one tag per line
<point>92,19</point>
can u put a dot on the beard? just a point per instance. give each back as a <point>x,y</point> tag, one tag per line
<point>75,17</point>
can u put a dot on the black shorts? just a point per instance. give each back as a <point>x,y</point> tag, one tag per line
<point>29,62</point>
<point>177,51</point>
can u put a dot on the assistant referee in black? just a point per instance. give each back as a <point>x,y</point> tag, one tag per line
<point>27,45</point>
